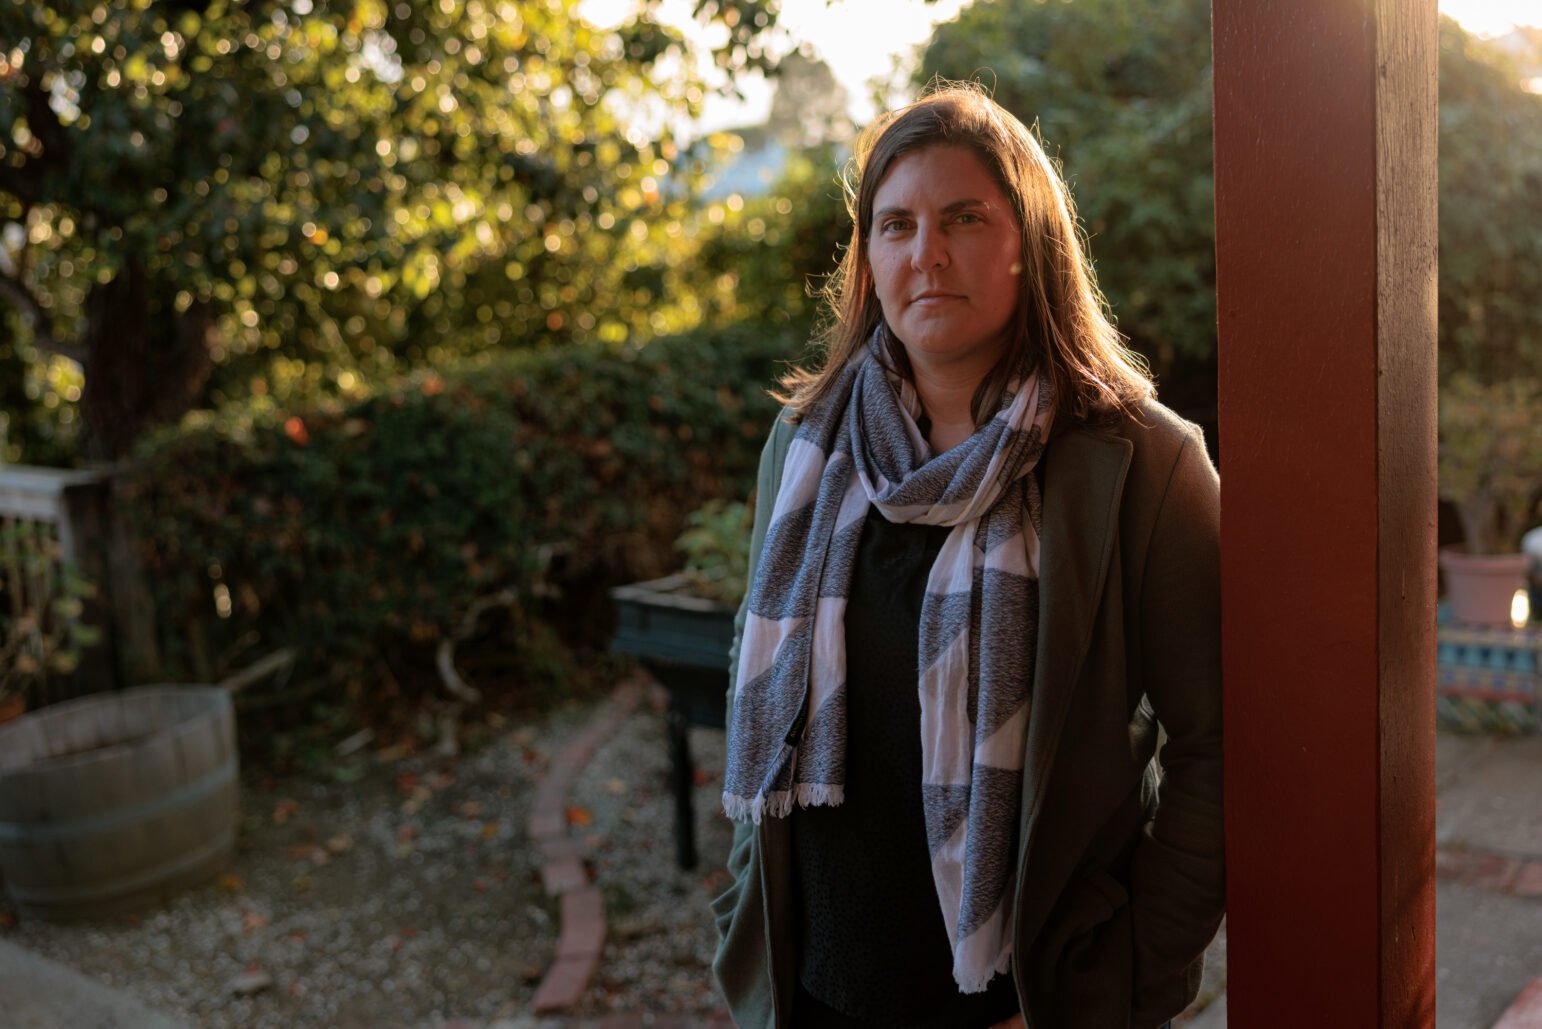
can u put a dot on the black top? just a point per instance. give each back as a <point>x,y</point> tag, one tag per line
<point>872,945</point>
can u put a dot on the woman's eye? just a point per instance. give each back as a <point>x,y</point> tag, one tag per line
<point>968,218</point>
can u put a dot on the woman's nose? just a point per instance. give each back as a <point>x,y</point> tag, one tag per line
<point>929,249</point>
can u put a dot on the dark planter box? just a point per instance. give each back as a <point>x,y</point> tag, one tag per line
<point>660,620</point>
<point>684,641</point>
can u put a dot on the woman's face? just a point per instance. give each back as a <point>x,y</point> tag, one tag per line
<point>945,249</point>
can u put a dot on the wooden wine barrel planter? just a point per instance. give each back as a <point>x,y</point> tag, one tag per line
<point>114,802</point>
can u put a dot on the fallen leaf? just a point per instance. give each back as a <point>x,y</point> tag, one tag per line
<point>489,830</point>
<point>395,752</point>
<point>471,809</point>
<point>284,810</point>
<point>480,885</point>
<point>342,843</point>
<point>701,777</point>
<point>251,921</point>
<point>7,919</point>
<point>303,883</point>
<point>407,833</point>
<point>230,883</point>
<point>615,786</point>
<point>407,782</point>
<point>441,780</point>
<point>579,816</point>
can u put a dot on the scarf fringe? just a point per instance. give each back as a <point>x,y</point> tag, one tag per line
<point>980,982</point>
<point>779,804</point>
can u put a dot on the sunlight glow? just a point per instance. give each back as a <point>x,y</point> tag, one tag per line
<point>1493,17</point>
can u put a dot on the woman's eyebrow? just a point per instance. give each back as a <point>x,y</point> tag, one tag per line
<point>956,205</point>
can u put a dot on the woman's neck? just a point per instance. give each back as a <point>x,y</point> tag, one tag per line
<point>947,394</point>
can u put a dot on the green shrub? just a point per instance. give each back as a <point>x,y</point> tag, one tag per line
<point>716,545</point>
<point>361,534</point>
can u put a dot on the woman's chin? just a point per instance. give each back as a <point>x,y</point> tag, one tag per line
<point>938,349</point>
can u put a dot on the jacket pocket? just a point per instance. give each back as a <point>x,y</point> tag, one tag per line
<point>1086,978</point>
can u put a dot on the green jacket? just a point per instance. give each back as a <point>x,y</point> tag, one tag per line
<point>1118,895</point>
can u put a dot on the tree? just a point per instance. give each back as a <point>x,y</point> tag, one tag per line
<point>211,197</point>
<point>1490,213</point>
<point>764,260</point>
<point>809,104</point>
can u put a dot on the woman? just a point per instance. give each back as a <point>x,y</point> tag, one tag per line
<point>984,566</point>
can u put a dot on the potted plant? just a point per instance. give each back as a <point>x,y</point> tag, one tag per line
<point>41,603</point>
<point>687,618</point>
<point>681,627</point>
<point>1490,459</point>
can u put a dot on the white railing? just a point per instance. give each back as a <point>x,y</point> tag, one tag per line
<point>50,505</point>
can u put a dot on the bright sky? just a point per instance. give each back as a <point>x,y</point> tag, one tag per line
<point>1493,17</point>
<point>865,41</point>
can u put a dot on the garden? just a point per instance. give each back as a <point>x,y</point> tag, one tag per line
<point>352,354</point>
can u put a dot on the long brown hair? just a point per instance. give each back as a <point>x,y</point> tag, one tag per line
<point>1062,326</point>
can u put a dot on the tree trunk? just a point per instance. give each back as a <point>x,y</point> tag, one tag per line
<point>146,364</point>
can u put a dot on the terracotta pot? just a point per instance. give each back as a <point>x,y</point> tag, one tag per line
<point>1480,587</point>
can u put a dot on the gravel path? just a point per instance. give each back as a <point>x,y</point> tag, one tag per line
<point>658,953</point>
<point>403,898</point>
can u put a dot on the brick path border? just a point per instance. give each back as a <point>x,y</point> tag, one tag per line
<point>582,935</point>
<point>1526,1011</point>
<point>1499,873</point>
<point>1521,877</point>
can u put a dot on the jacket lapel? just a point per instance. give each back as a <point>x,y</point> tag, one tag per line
<point>1083,481</point>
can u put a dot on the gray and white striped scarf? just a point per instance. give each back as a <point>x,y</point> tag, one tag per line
<point>979,624</point>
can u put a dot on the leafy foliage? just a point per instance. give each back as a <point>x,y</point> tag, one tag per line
<point>347,185</point>
<point>42,601</point>
<point>1491,458</point>
<point>765,259</point>
<point>360,533</point>
<point>1490,213</point>
<point>716,545</point>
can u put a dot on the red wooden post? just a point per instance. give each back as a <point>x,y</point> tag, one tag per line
<point>1325,136</point>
